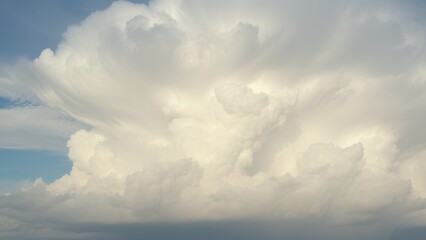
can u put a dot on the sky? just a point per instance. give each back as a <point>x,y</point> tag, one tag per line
<point>184,119</point>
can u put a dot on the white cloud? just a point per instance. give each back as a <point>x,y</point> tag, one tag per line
<point>276,109</point>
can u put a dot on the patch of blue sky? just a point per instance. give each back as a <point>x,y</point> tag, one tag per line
<point>6,103</point>
<point>9,103</point>
<point>18,164</point>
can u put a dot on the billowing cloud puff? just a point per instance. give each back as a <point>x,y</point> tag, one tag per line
<point>207,110</point>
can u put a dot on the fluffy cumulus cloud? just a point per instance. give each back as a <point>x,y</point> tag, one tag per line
<point>224,110</point>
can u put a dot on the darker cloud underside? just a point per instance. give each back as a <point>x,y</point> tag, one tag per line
<point>416,233</point>
<point>231,230</point>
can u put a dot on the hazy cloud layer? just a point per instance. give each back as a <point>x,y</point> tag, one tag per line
<point>28,123</point>
<point>35,127</point>
<point>224,110</point>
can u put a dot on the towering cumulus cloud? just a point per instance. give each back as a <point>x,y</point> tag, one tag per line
<point>225,110</point>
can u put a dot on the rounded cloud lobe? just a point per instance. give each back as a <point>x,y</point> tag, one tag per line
<point>212,110</point>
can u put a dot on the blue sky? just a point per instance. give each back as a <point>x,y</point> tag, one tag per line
<point>19,165</point>
<point>212,119</point>
<point>4,103</point>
